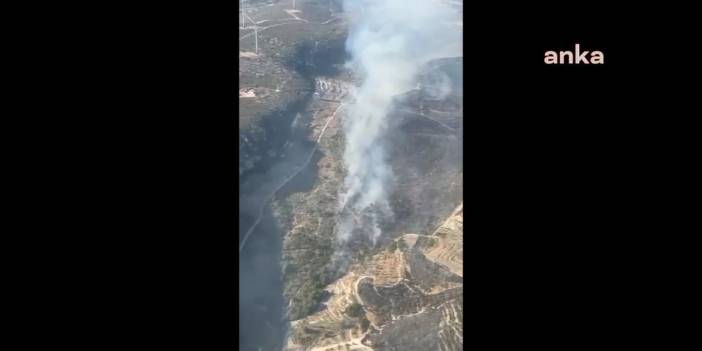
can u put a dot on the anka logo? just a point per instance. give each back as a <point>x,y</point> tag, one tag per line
<point>594,57</point>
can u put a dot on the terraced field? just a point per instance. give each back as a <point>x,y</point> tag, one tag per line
<point>411,297</point>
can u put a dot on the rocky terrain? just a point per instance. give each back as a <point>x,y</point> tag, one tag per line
<point>297,41</point>
<point>405,292</point>
<point>407,296</point>
<point>308,217</point>
<point>413,277</point>
<point>274,77</point>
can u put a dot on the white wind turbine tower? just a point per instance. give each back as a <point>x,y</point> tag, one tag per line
<point>243,19</point>
<point>255,27</point>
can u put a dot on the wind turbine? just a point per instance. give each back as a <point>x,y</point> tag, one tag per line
<point>255,27</point>
<point>243,19</point>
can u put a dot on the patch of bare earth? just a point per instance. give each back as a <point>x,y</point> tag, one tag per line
<point>398,309</point>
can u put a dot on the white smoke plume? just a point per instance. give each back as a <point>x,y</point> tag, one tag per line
<point>438,87</point>
<point>389,41</point>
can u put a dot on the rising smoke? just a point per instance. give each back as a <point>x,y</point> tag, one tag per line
<point>389,42</point>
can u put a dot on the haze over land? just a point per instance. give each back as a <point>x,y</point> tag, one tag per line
<point>350,152</point>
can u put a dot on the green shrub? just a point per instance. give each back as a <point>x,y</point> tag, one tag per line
<point>355,310</point>
<point>401,244</point>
